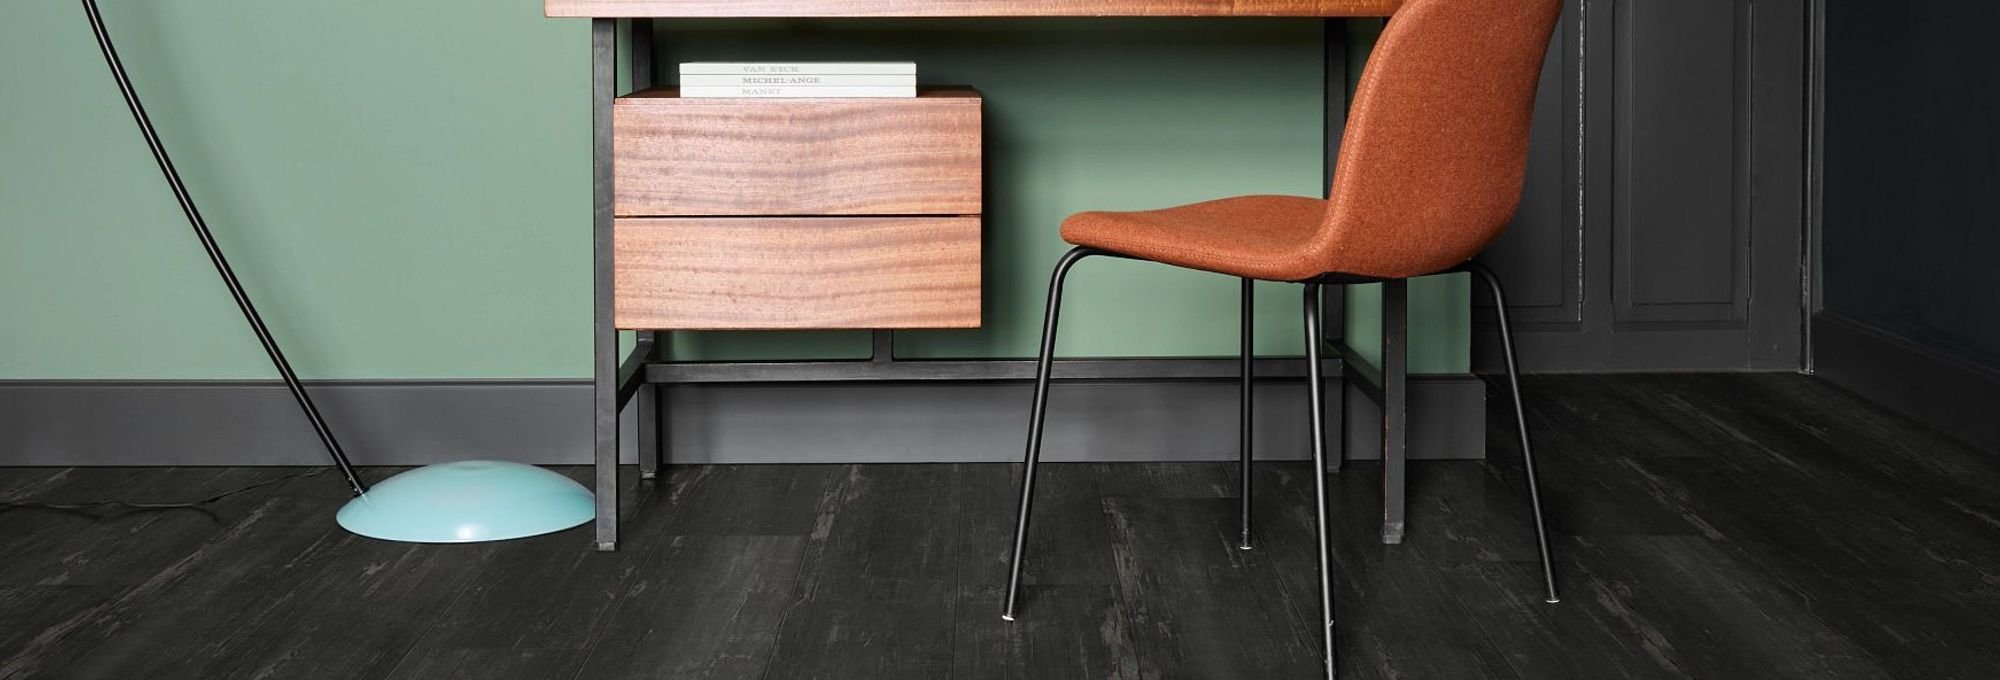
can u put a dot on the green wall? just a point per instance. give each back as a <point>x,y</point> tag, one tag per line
<point>404,186</point>
<point>409,198</point>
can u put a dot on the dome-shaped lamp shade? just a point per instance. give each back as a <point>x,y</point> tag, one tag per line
<point>467,502</point>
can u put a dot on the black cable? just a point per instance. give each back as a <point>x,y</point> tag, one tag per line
<point>215,256</point>
<point>86,505</point>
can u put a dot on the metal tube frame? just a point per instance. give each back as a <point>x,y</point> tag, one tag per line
<point>1520,421</point>
<point>1044,364</point>
<point>1316,388</point>
<point>1244,420</point>
<point>651,448</point>
<point>604,332</point>
<point>1387,385</point>
<point>1395,411</point>
<point>620,380</point>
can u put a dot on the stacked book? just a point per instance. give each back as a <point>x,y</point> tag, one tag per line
<point>799,79</point>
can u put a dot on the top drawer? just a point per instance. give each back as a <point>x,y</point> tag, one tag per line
<point>709,157</point>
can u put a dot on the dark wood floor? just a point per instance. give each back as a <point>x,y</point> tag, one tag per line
<point>1709,527</point>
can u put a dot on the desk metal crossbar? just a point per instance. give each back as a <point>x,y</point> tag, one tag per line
<point>630,379</point>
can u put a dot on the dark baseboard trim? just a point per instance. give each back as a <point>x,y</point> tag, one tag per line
<point>548,421</point>
<point>1941,390</point>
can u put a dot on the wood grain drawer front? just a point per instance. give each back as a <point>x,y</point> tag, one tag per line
<point>708,157</point>
<point>797,273</point>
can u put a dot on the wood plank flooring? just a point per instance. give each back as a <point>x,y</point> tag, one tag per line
<point>1708,526</point>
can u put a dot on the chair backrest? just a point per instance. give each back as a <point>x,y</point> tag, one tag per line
<point>1436,146</point>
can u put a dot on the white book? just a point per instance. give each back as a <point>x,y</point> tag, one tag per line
<point>781,91</point>
<point>858,68</point>
<point>703,80</point>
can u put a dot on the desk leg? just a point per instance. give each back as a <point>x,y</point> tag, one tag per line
<point>604,334</point>
<point>1395,394</point>
<point>646,405</point>
<point>651,446</point>
<point>1333,308</point>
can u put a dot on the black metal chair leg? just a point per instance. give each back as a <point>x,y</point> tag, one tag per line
<point>1337,457</point>
<point>1520,421</point>
<point>1243,422</point>
<point>1316,388</point>
<point>1040,409</point>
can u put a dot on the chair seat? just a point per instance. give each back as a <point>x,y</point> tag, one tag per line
<point>1259,237</point>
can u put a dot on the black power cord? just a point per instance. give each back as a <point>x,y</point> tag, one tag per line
<point>79,506</point>
<point>236,291</point>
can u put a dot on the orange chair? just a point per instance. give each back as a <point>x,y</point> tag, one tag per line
<point>1429,173</point>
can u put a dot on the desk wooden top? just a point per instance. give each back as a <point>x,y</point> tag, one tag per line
<point>968,8</point>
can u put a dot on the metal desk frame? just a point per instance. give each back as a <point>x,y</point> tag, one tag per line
<point>621,380</point>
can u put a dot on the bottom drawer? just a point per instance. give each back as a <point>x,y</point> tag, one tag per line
<point>758,273</point>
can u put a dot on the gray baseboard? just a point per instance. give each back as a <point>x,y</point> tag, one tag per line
<point>1938,389</point>
<point>548,421</point>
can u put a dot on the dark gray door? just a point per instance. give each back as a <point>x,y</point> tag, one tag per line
<point>1662,226</point>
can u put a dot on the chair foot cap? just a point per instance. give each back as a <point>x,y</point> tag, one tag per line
<point>1553,600</point>
<point>607,546</point>
<point>1007,617</point>
<point>1392,534</point>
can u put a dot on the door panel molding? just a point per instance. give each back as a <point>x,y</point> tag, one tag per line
<point>1662,220</point>
<point>1680,226</point>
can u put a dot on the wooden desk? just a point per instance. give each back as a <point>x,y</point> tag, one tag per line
<point>620,9</point>
<point>622,379</point>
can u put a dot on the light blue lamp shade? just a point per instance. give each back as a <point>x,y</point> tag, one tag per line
<point>467,502</point>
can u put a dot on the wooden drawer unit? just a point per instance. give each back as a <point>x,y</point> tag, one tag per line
<point>707,157</point>
<point>767,214</point>
<point>768,273</point>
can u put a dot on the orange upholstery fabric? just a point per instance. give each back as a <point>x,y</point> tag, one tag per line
<point>1430,168</point>
<point>1254,236</point>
